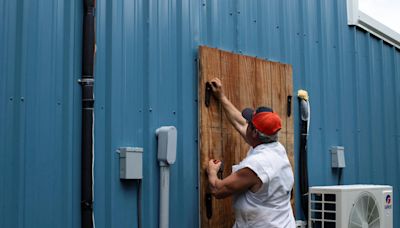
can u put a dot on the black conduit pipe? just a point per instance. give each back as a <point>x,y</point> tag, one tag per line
<point>303,167</point>
<point>87,83</point>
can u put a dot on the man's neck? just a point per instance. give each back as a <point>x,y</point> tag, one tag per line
<point>255,144</point>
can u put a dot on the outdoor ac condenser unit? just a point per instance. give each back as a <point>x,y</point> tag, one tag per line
<point>351,206</point>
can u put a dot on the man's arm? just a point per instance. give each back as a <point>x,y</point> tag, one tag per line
<point>237,182</point>
<point>233,114</point>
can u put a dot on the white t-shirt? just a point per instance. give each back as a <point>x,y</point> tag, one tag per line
<point>270,205</point>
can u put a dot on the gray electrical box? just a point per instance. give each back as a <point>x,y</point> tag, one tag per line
<point>338,160</point>
<point>130,162</point>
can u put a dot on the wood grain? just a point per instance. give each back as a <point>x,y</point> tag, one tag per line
<point>247,82</point>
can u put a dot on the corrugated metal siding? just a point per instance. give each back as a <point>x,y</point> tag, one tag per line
<point>39,133</point>
<point>146,77</point>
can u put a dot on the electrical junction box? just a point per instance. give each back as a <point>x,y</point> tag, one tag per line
<point>130,163</point>
<point>338,160</point>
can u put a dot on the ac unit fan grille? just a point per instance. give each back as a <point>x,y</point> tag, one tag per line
<point>365,212</point>
<point>323,210</point>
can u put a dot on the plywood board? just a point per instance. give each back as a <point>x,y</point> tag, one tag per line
<point>248,82</point>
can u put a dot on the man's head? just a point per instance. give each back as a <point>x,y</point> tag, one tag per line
<point>263,124</point>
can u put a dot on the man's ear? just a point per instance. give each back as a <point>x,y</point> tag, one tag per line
<point>254,133</point>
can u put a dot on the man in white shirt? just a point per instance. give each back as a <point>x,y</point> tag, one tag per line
<point>262,182</point>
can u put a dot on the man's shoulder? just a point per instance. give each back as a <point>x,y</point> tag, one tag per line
<point>271,153</point>
<point>274,146</point>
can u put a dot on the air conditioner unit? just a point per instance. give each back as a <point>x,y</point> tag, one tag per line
<point>351,206</point>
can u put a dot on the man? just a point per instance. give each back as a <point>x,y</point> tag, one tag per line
<point>262,182</point>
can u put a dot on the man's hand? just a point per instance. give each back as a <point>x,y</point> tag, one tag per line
<point>213,167</point>
<point>240,181</point>
<point>234,115</point>
<point>216,86</point>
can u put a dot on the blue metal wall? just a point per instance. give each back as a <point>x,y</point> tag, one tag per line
<point>146,77</point>
<point>39,113</point>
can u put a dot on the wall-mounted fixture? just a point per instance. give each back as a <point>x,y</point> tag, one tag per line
<point>130,163</point>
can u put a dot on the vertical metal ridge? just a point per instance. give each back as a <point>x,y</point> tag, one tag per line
<point>385,136</point>
<point>322,91</point>
<point>340,86</point>
<point>354,63</point>
<point>18,119</point>
<point>370,123</point>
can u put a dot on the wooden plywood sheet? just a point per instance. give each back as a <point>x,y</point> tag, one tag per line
<point>248,82</point>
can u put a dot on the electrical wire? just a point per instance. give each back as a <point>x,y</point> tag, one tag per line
<point>340,170</point>
<point>139,203</point>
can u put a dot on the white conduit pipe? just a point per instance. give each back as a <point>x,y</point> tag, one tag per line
<point>167,137</point>
<point>164,195</point>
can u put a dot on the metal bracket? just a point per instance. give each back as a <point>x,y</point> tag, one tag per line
<point>208,94</point>
<point>209,211</point>
<point>220,171</point>
<point>289,105</point>
<point>87,205</point>
<point>86,81</point>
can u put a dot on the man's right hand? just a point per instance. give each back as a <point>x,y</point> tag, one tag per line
<point>216,86</point>
<point>234,115</point>
<point>213,167</point>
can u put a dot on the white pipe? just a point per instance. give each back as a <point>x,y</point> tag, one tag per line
<point>164,195</point>
<point>167,137</point>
